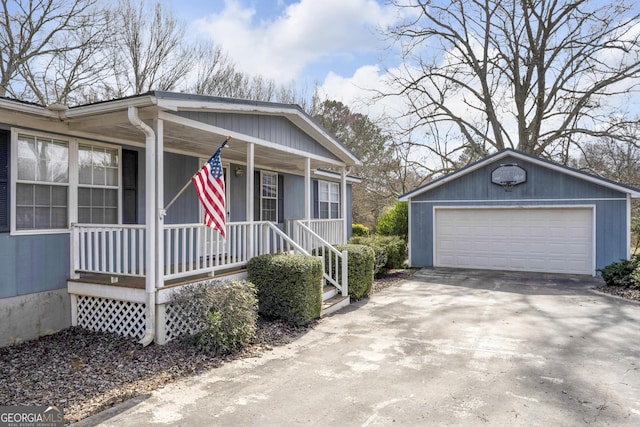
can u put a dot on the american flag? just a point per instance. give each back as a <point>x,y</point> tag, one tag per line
<point>209,182</point>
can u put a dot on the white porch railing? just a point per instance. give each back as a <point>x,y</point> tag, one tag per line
<point>106,249</point>
<point>195,249</point>
<point>189,249</point>
<point>330,230</point>
<point>335,262</point>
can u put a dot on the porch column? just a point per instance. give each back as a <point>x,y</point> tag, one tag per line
<point>250,192</point>
<point>307,190</point>
<point>345,224</point>
<point>159,216</point>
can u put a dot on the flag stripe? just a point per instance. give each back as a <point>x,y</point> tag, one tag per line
<point>209,183</point>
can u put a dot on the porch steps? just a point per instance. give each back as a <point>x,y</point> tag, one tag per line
<point>334,304</point>
<point>329,292</point>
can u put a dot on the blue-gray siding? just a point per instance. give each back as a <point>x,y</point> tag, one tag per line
<point>37,263</point>
<point>544,187</point>
<point>274,129</point>
<point>33,263</point>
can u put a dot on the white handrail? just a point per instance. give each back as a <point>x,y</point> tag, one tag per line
<point>331,230</point>
<point>334,271</point>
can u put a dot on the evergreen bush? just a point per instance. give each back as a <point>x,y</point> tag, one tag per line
<point>226,314</point>
<point>624,273</point>
<point>395,222</point>
<point>360,269</point>
<point>289,286</point>
<point>359,230</point>
<point>394,248</point>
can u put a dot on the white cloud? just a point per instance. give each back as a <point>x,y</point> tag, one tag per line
<point>308,33</point>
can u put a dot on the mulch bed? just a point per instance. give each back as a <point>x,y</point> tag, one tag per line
<point>626,293</point>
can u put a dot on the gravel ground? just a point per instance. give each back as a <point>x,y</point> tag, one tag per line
<point>629,294</point>
<point>87,372</point>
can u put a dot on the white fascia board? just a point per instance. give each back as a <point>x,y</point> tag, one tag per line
<point>21,107</point>
<point>109,106</point>
<point>335,175</point>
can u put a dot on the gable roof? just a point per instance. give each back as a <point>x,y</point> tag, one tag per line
<point>114,113</point>
<point>633,192</point>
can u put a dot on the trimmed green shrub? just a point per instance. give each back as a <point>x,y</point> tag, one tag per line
<point>622,273</point>
<point>394,247</point>
<point>289,286</point>
<point>395,221</point>
<point>635,277</point>
<point>226,313</point>
<point>359,230</point>
<point>360,269</point>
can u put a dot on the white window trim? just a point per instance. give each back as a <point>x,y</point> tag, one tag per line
<point>72,185</point>
<point>339,202</point>
<point>262,175</point>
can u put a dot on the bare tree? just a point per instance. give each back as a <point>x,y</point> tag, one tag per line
<point>45,45</point>
<point>373,146</point>
<point>542,76</point>
<point>149,51</point>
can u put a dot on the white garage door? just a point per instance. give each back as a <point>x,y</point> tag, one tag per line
<point>554,240</point>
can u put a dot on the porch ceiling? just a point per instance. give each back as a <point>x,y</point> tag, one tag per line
<point>181,138</point>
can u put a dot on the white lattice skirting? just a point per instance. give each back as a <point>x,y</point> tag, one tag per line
<point>179,322</point>
<point>128,318</point>
<point>108,315</point>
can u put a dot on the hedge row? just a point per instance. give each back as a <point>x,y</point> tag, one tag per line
<point>391,251</point>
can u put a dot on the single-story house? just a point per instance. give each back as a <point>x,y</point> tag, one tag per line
<point>85,236</point>
<point>512,211</point>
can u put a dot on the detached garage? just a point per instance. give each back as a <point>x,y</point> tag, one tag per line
<point>512,211</point>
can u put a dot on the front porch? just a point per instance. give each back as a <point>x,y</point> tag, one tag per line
<point>110,269</point>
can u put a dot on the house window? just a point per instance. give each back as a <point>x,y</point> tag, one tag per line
<point>97,185</point>
<point>328,199</point>
<point>4,181</point>
<point>58,182</point>
<point>42,183</point>
<point>269,196</point>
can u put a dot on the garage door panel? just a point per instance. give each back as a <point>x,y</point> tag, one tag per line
<point>541,239</point>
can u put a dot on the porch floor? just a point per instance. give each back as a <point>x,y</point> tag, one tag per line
<point>139,282</point>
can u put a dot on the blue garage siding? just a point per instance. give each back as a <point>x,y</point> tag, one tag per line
<point>544,187</point>
<point>32,264</point>
<point>542,183</point>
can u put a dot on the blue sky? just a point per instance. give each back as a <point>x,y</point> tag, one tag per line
<point>334,43</point>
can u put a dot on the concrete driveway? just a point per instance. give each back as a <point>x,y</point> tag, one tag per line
<point>449,347</point>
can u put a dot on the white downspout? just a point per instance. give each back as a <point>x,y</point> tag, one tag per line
<point>345,225</point>
<point>150,220</point>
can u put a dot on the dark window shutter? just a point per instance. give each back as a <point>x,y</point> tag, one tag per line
<point>129,187</point>
<point>257,189</point>
<point>281,199</point>
<point>4,181</point>
<point>316,208</point>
